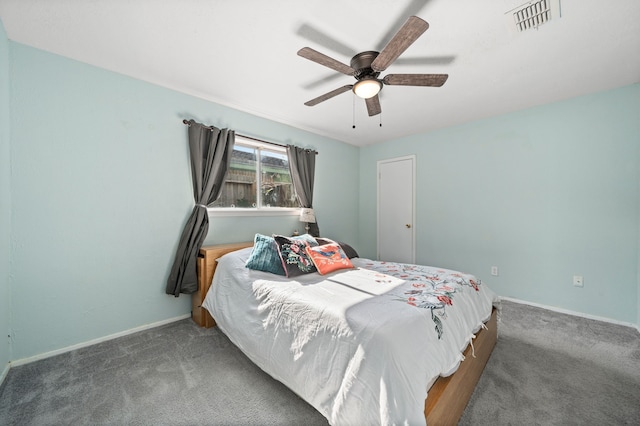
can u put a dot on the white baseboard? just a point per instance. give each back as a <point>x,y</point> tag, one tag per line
<point>96,341</point>
<point>574,313</point>
<point>4,373</point>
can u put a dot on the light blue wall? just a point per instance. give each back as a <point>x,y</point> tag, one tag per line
<point>5,203</point>
<point>101,191</point>
<point>544,194</point>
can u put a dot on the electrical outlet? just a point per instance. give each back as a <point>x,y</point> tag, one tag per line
<point>494,271</point>
<point>578,281</point>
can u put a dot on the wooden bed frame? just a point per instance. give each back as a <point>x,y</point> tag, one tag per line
<point>448,396</point>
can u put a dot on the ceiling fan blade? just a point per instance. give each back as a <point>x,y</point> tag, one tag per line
<point>433,80</point>
<point>373,106</point>
<point>329,95</point>
<point>410,31</point>
<point>413,8</point>
<point>322,59</point>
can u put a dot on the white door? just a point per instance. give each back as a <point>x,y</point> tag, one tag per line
<point>396,199</point>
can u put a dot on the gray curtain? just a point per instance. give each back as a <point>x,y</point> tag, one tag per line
<point>210,150</point>
<point>302,166</point>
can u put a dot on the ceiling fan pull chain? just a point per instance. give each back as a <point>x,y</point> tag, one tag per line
<point>354,111</point>
<point>380,118</point>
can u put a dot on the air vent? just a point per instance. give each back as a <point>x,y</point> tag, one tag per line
<point>533,14</point>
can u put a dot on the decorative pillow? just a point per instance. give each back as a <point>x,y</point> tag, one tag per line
<point>295,260</point>
<point>348,250</point>
<point>265,256</point>
<point>328,258</point>
<point>306,237</point>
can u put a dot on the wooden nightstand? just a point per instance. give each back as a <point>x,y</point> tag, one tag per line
<point>206,264</point>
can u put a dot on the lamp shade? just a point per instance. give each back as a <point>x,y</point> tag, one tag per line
<point>367,88</point>
<point>307,215</point>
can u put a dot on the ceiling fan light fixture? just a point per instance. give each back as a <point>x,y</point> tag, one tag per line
<point>367,88</point>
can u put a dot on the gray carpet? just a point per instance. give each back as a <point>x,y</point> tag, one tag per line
<point>547,369</point>
<point>550,368</point>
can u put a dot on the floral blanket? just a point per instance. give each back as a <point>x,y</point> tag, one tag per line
<point>426,287</point>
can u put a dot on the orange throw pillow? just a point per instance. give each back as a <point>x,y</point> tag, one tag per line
<point>328,258</point>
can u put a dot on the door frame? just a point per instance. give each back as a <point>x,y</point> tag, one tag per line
<point>411,157</point>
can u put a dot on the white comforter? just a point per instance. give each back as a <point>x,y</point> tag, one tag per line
<point>363,345</point>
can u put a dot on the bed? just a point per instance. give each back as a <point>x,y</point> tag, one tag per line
<point>363,377</point>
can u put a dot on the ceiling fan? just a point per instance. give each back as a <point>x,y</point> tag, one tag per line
<point>367,66</point>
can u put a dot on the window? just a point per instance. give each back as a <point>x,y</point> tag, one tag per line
<point>258,179</point>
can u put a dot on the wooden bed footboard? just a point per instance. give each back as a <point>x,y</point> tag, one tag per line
<point>447,398</point>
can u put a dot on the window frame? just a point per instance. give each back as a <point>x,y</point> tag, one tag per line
<point>261,210</point>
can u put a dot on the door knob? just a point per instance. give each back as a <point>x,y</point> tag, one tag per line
<point>408,225</point>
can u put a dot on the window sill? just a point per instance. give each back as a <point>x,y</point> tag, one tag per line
<point>244,212</point>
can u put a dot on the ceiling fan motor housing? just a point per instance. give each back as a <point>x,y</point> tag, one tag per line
<point>362,64</point>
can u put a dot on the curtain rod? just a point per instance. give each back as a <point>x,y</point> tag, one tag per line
<point>252,138</point>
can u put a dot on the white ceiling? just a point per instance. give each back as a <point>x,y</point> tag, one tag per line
<point>242,54</point>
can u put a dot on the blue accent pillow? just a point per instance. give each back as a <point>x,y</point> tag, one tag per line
<point>265,256</point>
